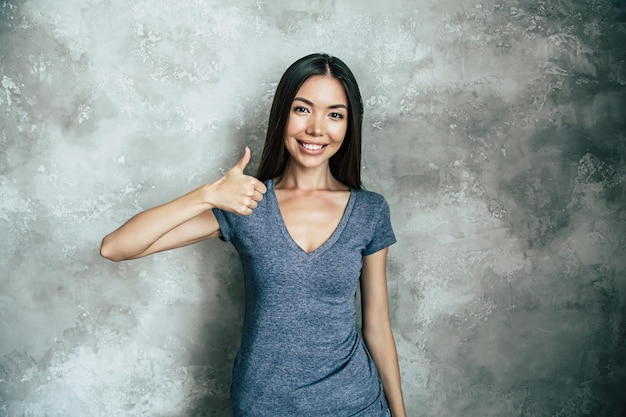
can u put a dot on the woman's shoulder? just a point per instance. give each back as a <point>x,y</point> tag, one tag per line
<point>371,196</point>
<point>371,202</point>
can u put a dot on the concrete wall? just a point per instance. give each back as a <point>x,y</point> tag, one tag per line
<point>496,129</point>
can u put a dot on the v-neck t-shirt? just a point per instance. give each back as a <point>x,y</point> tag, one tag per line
<point>301,353</point>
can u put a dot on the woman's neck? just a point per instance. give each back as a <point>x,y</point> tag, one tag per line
<point>308,179</point>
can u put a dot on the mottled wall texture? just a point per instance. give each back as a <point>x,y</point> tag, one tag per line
<point>495,128</point>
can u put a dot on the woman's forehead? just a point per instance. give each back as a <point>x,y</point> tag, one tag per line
<point>322,89</point>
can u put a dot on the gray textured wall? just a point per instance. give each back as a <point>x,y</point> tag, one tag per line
<point>496,129</point>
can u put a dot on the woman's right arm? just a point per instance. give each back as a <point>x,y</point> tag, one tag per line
<point>187,219</point>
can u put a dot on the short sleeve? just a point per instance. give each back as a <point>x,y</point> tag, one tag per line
<point>383,235</point>
<point>226,221</point>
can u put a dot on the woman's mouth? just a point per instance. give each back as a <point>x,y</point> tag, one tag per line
<point>311,146</point>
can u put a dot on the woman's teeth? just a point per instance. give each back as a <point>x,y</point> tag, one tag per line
<point>312,147</point>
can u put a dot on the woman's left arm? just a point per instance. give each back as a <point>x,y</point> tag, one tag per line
<point>376,327</point>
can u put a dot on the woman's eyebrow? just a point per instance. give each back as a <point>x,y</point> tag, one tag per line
<point>310,103</point>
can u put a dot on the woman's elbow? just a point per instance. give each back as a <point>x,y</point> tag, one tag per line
<point>107,250</point>
<point>380,330</point>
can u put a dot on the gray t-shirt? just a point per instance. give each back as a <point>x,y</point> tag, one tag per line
<point>301,354</point>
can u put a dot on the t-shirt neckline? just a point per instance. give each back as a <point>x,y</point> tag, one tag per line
<point>283,226</point>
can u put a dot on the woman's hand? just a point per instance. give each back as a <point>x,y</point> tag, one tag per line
<point>236,192</point>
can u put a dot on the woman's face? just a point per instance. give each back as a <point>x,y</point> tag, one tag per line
<point>318,121</point>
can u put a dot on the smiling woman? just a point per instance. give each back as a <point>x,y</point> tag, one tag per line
<point>308,236</point>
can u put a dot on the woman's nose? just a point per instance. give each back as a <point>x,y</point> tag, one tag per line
<point>315,126</point>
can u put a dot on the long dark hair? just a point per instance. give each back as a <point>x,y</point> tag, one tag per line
<point>345,165</point>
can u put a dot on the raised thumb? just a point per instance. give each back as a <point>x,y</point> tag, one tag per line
<point>241,164</point>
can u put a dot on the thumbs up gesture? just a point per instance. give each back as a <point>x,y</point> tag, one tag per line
<point>237,192</point>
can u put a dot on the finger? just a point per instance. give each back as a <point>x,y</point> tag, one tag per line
<point>244,210</point>
<point>260,187</point>
<point>247,211</point>
<point>241,164</point>
<point>257,196</point>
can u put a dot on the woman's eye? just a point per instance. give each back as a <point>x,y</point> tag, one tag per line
<point>300,109</point>
<point>336,115</point>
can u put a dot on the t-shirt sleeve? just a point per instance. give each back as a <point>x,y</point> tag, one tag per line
<point>226,221</point>
<point>383,235</point>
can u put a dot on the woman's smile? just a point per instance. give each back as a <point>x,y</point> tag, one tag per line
<point>312,147</point>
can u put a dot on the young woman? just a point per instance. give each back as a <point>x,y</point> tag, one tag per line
<point>307,236</point>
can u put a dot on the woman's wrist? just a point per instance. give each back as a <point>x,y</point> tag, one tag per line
<point>207,192</point>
